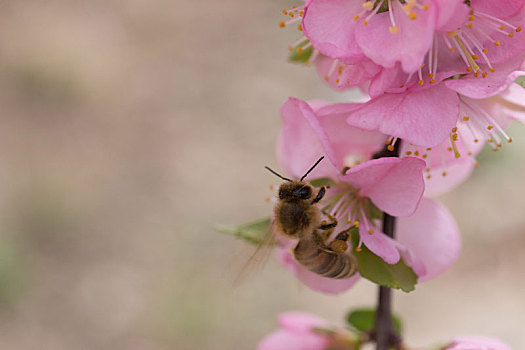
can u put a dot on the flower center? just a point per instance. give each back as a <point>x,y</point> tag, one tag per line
<point>351,210</point>
<point>371,8</point>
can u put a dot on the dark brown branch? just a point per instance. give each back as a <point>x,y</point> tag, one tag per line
<point>383,333</point>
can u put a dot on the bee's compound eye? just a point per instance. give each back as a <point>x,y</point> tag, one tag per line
<point>303,192</point>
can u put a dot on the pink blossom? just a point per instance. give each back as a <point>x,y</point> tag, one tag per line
<point>394,185</point>
<point>390,32</point>
<point>477,343</point>
<point>425,115</point>
<point>304,331</point>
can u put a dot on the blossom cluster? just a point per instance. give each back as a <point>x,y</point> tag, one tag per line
<point>438,79</point>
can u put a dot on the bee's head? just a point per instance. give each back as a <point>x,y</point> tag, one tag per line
<point>295,190</point>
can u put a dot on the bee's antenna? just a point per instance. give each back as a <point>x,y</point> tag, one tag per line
<point>276,174</point>
<point>312,168</point>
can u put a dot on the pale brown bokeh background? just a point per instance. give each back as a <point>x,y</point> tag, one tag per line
<point>128,128</point>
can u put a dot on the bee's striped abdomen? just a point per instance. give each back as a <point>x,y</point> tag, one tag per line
<point>313,254</point>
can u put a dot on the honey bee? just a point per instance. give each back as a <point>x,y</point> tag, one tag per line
<point>298,216</point>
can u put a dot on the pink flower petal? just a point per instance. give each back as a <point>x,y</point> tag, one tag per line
<point>476,87</point>
<point>346,74</point>
<point>408,46</point>
<point>432,235</point>
<point>451,14</point>
<point>423,118</point>
<point>345,139</point>
<point>314,281</point>
<point>301,322</point>
<point>509,47</point>
<point>329,24</point>
<point>499,8</point>
<point>380,244</point>
<point>395,185</point>
<point>477,343</point>
<point>283,339</point>
<point>302,141</point>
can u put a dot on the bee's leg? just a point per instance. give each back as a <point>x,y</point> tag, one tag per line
<point>320,195</point>
<point>328,225</point>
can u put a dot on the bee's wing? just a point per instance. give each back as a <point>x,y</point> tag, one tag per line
<point>259,257</point>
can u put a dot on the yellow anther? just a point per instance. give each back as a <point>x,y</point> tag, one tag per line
<point>326,78</point>
<point>455,129</point>
<point>427,170</point>
<point>416,153</point>
<point>285,12</point>
<point>477,165</point>
<point>469,69</point>
<point>300,28</point>
<point>369,5</point>
<point>412,15</point>
<point>409,153</point>
<point>271,187</point>
<point>429,176</point>
<point>466,118</point>
<point>469,25</point>
<point>451,49</point>
<point>518,29</point>
<point>497,43</point>
<point>485,50</point>
<point>511,34</point>
<point>471,18</point>
<point>267,199</point>
<point>429,149</point>
<point>444,174</point>
<point>337,80</point>
<point>502,27</point>
<point>365,22</point>
<point>299,50</point>
<point>356,17</point>
<point>425,156</point>
<point>476,140</point>
<point>390,148</point>
<point>431,75</point>
<point>421,82</point>
<point>425,7</point>
<point>510,140</point>
<point>484,74</point>
<point>358,249</point>
<point>393,30</point>
<point>450,149</point>
<point>476,74</point>
<point>475,57</point>
<point>432,81</point>
<point>291,14</point>
<point>370,231</point>
<point>356,223</point>
<point>290,47</point>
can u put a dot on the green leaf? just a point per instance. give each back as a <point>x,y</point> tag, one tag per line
<point>375,269</point>
<point>254,231</point>
<point>364,320</point>
<point>300,55</point>
<point>521,81</point>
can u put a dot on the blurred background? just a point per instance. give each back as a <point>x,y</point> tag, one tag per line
<point>129,128</point>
